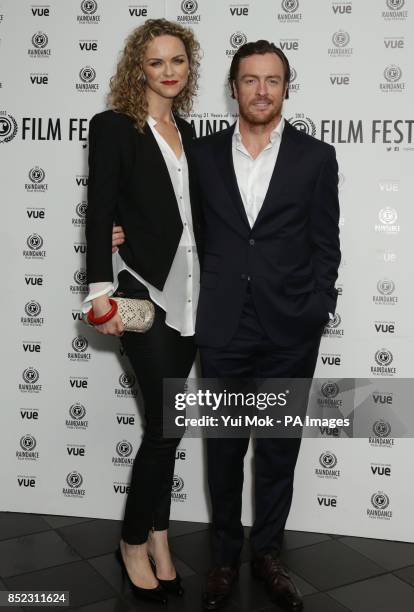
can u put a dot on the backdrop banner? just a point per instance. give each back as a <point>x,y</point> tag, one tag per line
<point>70,422</point>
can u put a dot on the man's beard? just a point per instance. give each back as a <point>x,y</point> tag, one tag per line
<point>263,119</point>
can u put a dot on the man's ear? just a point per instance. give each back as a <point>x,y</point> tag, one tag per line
<point>234,90</point>
<point>286,92</point>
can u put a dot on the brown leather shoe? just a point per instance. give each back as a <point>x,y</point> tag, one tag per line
<point>279,584</point>
<point>220,582</point>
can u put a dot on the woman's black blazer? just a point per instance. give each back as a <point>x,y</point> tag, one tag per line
<point>129,184</point>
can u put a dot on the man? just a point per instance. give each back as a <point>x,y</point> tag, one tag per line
<point>271,256</point>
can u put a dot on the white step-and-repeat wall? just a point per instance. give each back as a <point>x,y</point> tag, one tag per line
<point>69,420</point>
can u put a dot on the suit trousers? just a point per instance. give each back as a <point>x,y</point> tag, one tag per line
<point>251,354</point>
<point>157,354</point>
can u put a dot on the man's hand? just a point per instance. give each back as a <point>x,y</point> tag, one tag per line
<point>114,326</point>
<point>118,237</point>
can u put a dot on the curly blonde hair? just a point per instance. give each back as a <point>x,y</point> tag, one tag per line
<point>127,86</point>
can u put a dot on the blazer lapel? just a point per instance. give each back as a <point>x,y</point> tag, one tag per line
<point>283,172</point>
<point>153,157</point>
<point>224,161</point>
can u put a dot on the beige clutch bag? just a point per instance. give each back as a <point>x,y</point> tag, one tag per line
<point>136,315</point>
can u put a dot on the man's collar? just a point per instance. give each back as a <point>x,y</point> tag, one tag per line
<point>275,133</point>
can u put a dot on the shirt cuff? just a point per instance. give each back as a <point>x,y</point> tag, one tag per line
<point>97,290</point>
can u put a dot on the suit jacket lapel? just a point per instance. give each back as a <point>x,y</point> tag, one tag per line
<point>283,172</point>
<point>224,160</point>
<point>154,159</point>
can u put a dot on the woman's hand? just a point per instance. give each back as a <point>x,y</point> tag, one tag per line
<point>118,237</point>
<point>114,326</point>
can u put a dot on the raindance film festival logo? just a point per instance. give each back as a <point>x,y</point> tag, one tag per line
<point>40,42</point>
<point>385,288</point>
<point>80,219</point>
<point>76,420</point>
<point>383,359</point>
<point>81,282</point>
<point>394,10</point>
<point>87,76</point>
<point>34,251</point>
<point>294,86</point>
<point>30,381</point>
<point>382,431</point>
<point>303,124</point>
<point>328,462</point>
<point>328,395</point>
<point>79,345</point>
<point>36,177</point>
<point>237,39</point>
<point>88,12</point>
<point>8,127</point>
<point>126,388</point>
<point>392,83</point>
<point>332,329</point>
<point>74,481</point>
<point>32,311</point>
<point>341,48</point>
<point>123,454</point>
<point>28,445</point>
<point>189,14</point>
<point>290,13</point>
<point>177,494</point>
<point>379,502</point>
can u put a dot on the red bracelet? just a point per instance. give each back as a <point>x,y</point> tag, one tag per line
<point>105,317</point>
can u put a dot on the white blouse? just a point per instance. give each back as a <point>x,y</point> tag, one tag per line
<point>179,296</point>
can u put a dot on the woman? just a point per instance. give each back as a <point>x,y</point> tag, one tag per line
<point>140,176</point>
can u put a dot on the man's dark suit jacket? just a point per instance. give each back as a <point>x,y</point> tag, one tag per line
<point>129,183</point>
<point>290,256</point>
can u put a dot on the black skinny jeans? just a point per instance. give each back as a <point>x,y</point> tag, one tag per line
<point>159,353</point>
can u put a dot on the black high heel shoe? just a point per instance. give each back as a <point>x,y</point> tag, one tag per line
<point>173,586</point>
<point>157,594</point>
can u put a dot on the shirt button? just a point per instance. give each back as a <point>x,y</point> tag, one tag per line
<point>188,300</point>
<point>179,169</point>
<point>189,276</point>
<point>251,241</point>
<point>188,250</point>
<point>185,224</point>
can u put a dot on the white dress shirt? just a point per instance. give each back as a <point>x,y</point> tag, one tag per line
<point>179,296</point>
<point>253,175</point>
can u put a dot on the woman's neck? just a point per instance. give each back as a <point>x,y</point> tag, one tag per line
<point>159,108</point>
